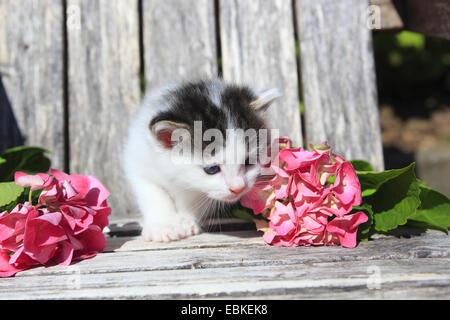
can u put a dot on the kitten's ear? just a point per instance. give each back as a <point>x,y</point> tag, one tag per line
<point>265,99</point>
<point>163,131</point>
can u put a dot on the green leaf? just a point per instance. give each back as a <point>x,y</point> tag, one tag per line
<point>395,200</point>
<point>9,193</point>
<point>362,165</point>
<point>28,159</point>
<point>434,209</point>
<point>365,229</point>
<point>2,161</point>
<point>243,214</point>
<point>372,181</point>
<point>408,39</point>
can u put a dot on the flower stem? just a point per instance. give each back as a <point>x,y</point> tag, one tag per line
<point>30,197</point>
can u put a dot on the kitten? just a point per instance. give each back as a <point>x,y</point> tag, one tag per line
<point>172,193</point>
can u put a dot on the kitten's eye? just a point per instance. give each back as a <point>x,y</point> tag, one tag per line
<point>212,170</point>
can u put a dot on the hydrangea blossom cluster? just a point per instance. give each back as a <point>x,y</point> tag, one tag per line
<point>64,226</point>
<point>308,200</point>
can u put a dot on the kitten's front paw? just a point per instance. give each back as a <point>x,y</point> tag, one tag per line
<point>172,230</point>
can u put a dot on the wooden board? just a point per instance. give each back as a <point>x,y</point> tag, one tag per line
<point>31,75</point>
<point>257,40</point>
<point>318,280</point>
<point>389,14</point>
<point>339,79</point>
<point>179,40</point>
<point>103,58</point>
<point>385,268</point>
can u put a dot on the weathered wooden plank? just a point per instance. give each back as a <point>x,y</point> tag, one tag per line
<point>338,78</point>
<point>179,40</point>
<point>243,252</point>
<point>358,279</point>
<point>258,49</point>
<point>389,14</point>
<point>419,291</point>
<point>430,17</point>
<point>384,268</point>
<point>31,75</point>
<point>103,90</point>
<point>204,240</point>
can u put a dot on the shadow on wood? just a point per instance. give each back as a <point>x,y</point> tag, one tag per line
<point>10,135</point>
<point>129,228</point>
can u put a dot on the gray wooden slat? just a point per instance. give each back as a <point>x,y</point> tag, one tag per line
<point>389,14</point>
<point>258,48</point>
<point>338,78</point>
<point>179,40</point>
<point>248,250</point>
<point>31,75</point>
<point>195,268</point>
<point>104,91</point>
<point>358,279</point>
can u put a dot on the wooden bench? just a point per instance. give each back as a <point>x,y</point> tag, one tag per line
<point>73,72</point>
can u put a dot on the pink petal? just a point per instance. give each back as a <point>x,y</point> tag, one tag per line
<point>42,235</point>
<point>53,218</point>
<point>346,228</point>
<point>311,224</point>
<point>59,175</point>
<point>347,187</point>
<point>64,254</point>
<point>7,269</point>
<point>284,228</point>
<point>42,254</point>
<point>101,218</point>
<point>70,192</point>
<point>269,236</point>
<point>97,191</point>
<point>93,239</point>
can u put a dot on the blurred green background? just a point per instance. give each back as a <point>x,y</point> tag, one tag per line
<point>413,72</point>
<point>413,79</point>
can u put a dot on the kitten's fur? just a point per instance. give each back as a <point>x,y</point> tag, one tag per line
<point>172,197</point>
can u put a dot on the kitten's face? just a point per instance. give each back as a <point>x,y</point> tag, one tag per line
<point>224,169</point>
<point>225,176</point>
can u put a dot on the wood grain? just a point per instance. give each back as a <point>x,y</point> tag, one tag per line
<point>318,280</point>
<point>390,15</point>
<point>179,40</point>
<point>247,250</point>
<point>104,91</point>
<point>339,79</point>
<point>195,268</point>
<point>31,75</point>
<point>258,49</point>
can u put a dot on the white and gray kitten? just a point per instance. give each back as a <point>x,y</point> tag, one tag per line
<point>173,195</point>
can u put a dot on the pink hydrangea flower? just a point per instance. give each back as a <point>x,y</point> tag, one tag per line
<point>65,225</point>
<point>308,200</point>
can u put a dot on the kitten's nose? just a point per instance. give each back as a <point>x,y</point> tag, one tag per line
<point>237,190</point>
